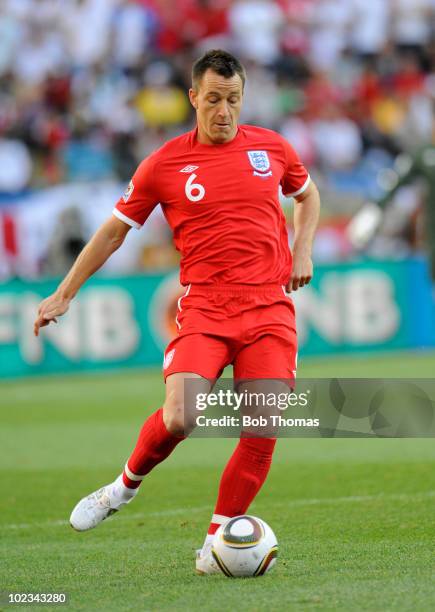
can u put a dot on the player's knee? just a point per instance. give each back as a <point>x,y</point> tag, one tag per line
<point>174,417</point>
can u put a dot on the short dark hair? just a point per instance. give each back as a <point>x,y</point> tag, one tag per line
<point>221,62</point>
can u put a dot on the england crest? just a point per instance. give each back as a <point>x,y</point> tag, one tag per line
<point>260,162</point>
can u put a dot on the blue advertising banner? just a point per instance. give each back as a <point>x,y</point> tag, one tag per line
<point>366,305</point>
<point>127,321</point>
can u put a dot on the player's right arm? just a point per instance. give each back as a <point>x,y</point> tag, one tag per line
<point>106,240</point>
<point>131,210</point>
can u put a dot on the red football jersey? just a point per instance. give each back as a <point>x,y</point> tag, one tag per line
<point>222,204</point>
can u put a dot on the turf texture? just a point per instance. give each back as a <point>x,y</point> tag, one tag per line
<point>354,518</point>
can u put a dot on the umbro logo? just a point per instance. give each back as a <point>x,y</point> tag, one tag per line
<point>189,169</point>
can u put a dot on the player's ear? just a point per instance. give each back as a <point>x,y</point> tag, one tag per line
<point>193,97</point>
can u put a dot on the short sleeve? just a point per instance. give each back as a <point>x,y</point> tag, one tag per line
<point>140,198</point>
<point>295,178</point>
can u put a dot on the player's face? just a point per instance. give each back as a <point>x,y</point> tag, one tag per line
<point>218,102</point>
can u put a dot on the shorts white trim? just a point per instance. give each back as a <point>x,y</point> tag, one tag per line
<point>179,305</point>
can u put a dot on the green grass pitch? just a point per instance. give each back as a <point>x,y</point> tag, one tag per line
<point>354,519</point>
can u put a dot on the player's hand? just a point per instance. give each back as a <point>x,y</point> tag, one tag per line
<point>302,271</point>
<point>50,308</point>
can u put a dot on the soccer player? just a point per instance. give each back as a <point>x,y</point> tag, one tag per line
<point>218,188</point>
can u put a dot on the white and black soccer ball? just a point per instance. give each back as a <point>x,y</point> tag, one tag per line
<point>245,546</point>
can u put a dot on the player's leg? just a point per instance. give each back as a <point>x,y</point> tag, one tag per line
<point>273,359</point>
<point>163,430</point>
<point>194,356</point>
<point>249,465</point>
<point>158,437</point>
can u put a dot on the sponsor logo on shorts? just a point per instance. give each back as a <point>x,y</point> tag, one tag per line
<point>260,162</point>
<point>128,191</point>
<point>168,359</point>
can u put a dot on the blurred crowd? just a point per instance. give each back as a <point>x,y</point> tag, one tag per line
<point>89,87</point>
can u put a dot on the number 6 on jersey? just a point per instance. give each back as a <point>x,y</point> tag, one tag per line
<point>192,187</point>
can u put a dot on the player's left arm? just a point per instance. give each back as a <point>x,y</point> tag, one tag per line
<point>306,218</point>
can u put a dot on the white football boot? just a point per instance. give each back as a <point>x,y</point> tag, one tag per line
<point>205,563</point>
<point>96,507</point>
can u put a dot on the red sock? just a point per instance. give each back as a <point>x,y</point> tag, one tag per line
<point>242,478</point>
<point>154,444</point>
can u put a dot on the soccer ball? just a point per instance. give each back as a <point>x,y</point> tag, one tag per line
<point>245,546</point>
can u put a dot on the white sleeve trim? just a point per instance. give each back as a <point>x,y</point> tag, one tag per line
<point>126,219</point>
<point>299,191</point>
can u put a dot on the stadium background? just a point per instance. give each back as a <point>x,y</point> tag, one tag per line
<point>87,89</point>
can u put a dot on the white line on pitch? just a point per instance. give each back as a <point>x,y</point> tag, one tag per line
<point>131,517</point>
<point>292,503</point>
<point>357,498</point>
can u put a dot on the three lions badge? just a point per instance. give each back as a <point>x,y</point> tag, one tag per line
<point>260,162</point>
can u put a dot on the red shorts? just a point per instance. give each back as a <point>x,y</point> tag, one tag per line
<point>251,327</point>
